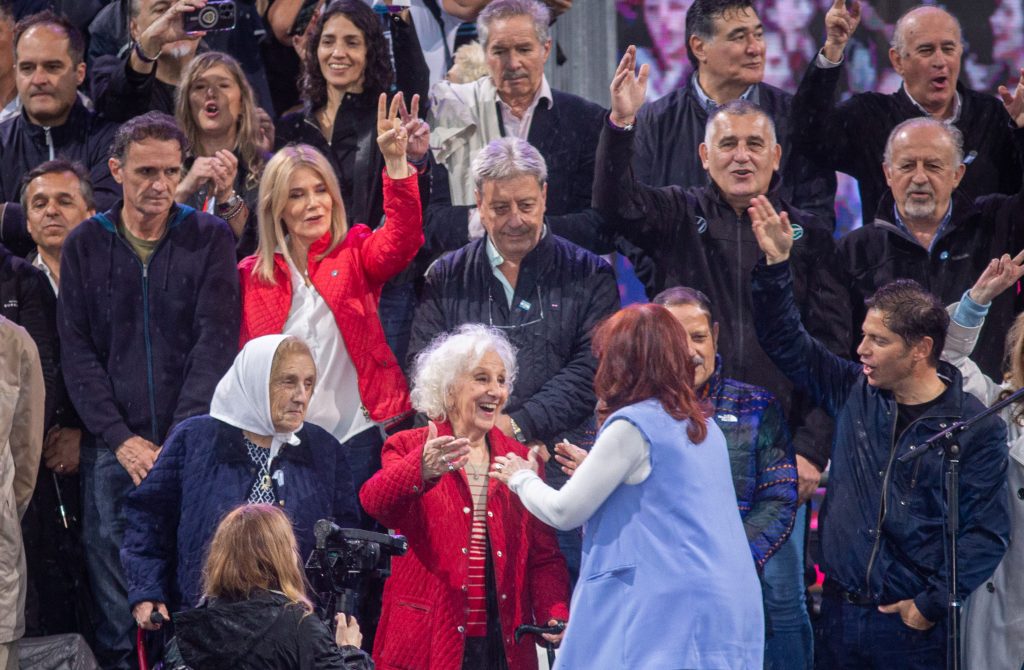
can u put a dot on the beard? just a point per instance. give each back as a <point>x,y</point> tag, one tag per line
<point>918,209</point>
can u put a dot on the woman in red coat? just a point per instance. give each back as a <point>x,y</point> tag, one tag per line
<point>478,563</point>
<point>314,278</point>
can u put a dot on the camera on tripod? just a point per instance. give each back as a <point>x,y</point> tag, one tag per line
<point>344,560</point>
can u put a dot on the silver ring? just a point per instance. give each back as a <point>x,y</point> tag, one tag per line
<point>60,467</point>
<point>451,468</point>
<point>444,458</point>
<point>499,466</point>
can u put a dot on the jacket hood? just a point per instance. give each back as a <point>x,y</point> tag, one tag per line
<point>217,634</point>
<point>963,210</point>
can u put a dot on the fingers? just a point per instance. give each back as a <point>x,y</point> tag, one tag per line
<point>839,4</point>
<point>382,111</point>
<point>415,113</point>
<point>432,428</point>
<point>397,103</point>
<point>645,71</point>
<point>1019,258</point>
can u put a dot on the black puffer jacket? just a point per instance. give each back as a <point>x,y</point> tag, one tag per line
<point>696,239</point>
<point>265,632</point>
<point>562,292</point>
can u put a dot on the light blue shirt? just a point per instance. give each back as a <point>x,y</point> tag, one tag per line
<point>710,105</point>
<point>496,259</point>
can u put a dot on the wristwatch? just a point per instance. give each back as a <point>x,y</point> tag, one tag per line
<point>234,201</point>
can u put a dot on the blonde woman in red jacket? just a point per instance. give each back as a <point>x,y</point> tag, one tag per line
<point>314,278</point>
<point>478,563</point>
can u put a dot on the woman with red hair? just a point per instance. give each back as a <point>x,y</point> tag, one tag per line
<point>667,579</point>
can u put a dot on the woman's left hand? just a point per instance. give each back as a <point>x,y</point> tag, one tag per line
<point>417,129</point>
<point>392,137</point>
<point>265,137</point>
<point>505,466</point>
<point>557,638</point>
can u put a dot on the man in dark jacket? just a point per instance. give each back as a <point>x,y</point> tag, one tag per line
<point>148,316</point>
<point>725,43</point>
<point>882,522</point>
<point>545,293</point>
<point>701,237</point>
<point>927,229</point>
<point>850,137</point>
<point>514,101</point>
<point>53,120</point>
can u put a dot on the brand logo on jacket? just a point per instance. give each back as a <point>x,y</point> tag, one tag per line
<point>11,304</point>
<point>702,225</point>
<point>798,231</point>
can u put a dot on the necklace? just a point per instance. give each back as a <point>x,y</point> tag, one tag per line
<point>477,475</point>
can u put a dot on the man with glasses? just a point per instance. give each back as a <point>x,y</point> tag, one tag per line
<point>545,293</point>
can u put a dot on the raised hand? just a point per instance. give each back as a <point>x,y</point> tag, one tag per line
<point>841,22</point>
<point>1014,103</point>
<point>265,138</point>
<point>505,466</point>
<point>416,128</point>
<point>392,138</point>
<point>772,230</point>
<point>628,89</point>
<point>569,456</point>
<point>169,27</point>
<point>1000,274</point>
<point>444,454</point>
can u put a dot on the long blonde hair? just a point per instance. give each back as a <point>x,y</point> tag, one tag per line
<point>274,195</point>
<point>1014,364</point>
<point>254,549</point>
<point>246,137</point>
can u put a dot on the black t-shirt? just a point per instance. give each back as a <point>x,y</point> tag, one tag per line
<point>908,414</point>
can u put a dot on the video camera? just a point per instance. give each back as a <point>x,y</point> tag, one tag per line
<point>343,561</point>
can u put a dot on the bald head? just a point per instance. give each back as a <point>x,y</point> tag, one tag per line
<point>926,51</point>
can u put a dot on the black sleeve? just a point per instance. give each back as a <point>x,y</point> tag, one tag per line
<point>821,131</point>
<point>445,226</point>
<point>123,93</point>
<point>14,230</point>
<point>412,76</point>
<point>37,314</point>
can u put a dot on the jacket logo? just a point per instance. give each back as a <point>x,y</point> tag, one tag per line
<point>798,231</point>
<point>728,418</point>
<point>702,225</point>
<point>11,304</point>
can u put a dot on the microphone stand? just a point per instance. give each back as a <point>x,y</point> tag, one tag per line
<point>948,440</point>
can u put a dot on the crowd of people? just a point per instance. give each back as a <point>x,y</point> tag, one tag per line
<point>349,263</point>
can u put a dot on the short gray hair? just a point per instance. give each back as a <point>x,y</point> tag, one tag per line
<point>739,107</point>
<point>506,9</point>
<point>508,158</point>
<point>949,130</point>
<point>452,354</point>
<point>899,42</point>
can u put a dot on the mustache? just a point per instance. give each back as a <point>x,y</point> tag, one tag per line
<point>921,190</point>
<point>509,75</point>
<point>697,360</point>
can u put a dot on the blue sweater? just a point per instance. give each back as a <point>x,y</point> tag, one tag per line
<point>143,347</point>
<point>203,472</point>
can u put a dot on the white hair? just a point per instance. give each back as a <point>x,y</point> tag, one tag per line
<point>499,10</point>
<point>508,158</point>
<point>450,355</point>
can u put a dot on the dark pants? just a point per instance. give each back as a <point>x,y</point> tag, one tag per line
<point>857,637</point>
<point>105,486</point>
<point>363,453</point>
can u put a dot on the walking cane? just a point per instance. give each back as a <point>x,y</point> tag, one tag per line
<point>541,630</point>
<point>140,640</point>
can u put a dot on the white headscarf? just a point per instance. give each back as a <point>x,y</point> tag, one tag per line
<point>242,397</point>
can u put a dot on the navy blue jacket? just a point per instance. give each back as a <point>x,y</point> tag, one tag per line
<point>882,521</point>
<point>144,347</point>
<point>203,472</point>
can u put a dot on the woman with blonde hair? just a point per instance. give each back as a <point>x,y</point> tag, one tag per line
<point>230,138</point>
<point>255,613</point>
<point>314,277</point>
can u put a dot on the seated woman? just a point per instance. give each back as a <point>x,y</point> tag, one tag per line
<point>993,620</point>
<point>314,277</point>
<point>255,613</point>
<point>667,579</point>
<point>478,564</point>
<point>230,139</point>
<point>253,447</point>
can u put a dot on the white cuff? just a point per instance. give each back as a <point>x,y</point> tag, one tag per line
<point>826,64</point>
<point>476,227</point>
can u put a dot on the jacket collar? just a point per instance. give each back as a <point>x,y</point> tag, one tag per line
<point>712,199</point>
<point>230,447</point>
<point>112,217</point>
<point>950,402</point>
<point>62,134</point>
<point>712,388</point>
<point>963,211</point>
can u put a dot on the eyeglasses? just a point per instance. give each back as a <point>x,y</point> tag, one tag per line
<point>522,306</point>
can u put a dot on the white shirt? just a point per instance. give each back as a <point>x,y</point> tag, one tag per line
<point>336,406</point>
<point>621,455</point>
<point>516,127</point>
<point>38,262</point>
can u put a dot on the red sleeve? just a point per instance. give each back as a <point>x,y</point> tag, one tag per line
<point>393,246</point>
<point>394,492</point>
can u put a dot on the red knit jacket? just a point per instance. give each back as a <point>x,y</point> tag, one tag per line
<point>425,599</point>
<point>350,279</point>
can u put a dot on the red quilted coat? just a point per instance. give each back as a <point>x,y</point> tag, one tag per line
<point>350,280</point>
<point>425,599</point>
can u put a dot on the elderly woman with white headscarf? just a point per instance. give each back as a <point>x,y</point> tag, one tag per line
<point>253,447</point>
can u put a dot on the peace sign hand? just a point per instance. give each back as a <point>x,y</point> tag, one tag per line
<point>392,137</point>
<point>1014,103</point>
